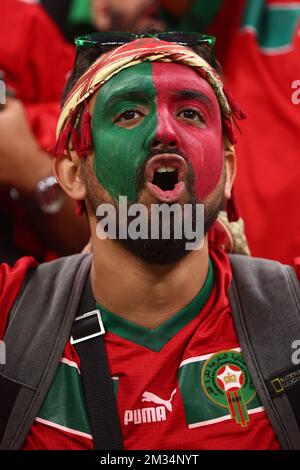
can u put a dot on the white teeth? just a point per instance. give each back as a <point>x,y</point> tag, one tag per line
<point>164,169</point>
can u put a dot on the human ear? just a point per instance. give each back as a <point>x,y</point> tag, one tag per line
<point>68,173</point>
<point>230,168</point>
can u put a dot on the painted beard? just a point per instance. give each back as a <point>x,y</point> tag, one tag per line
<point>160,251</point>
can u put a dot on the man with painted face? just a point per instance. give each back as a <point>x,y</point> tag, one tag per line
<point>151,121</point>
<point>167,122</point>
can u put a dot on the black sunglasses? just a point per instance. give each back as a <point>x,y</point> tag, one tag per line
<point>106,41</point>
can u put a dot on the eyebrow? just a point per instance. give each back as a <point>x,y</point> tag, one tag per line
<point>133,95</point>
<point>194,94</point>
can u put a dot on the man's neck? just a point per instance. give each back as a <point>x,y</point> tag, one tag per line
<point>141,293</point>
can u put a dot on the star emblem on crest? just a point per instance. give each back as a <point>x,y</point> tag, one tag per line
<point>230,378</point>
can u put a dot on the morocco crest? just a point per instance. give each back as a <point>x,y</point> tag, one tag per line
<point>227,383</point>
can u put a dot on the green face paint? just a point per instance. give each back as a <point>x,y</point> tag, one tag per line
<point>120,152</point>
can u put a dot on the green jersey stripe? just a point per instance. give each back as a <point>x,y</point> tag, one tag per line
<point>204,357</point>
<point>64,406</point>
<point>259,409</point>
<point>64,360</point>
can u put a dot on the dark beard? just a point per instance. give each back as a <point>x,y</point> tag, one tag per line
<point>159,251</point>
<point>166,251</point>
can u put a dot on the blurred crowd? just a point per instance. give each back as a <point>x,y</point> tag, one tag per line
<point>257,44</point>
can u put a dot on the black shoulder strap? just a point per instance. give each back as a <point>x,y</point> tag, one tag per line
<point>265,301</point>
<point>39,327</point>
<point>87,336</point>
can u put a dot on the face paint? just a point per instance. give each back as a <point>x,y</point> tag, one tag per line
<point>119,151</point>
<point>189,119</point>
<point>158,104</point>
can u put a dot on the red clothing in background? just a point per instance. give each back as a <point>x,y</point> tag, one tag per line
<point>258,43</point>
<point>36,61</point>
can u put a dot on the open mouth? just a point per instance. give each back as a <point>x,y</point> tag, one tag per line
<point>165,175</point>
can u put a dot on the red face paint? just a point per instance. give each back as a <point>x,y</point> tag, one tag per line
<point>189,119</point>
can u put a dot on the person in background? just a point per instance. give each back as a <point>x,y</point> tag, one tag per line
<point>35,63</point>
<point>138,15</point>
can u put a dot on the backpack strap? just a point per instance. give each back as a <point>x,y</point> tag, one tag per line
<point>265,301</point>
<point>87,338</point>
<point>40,324</point>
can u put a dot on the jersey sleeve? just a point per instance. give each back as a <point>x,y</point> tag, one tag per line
<point>11,280</point>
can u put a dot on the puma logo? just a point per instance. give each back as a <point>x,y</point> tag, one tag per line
<point>152,414</point>
<point>148,396</point>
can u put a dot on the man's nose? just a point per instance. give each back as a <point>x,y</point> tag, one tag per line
<point>165,137</point>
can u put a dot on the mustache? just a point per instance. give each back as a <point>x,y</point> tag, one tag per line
<point>174,150</point>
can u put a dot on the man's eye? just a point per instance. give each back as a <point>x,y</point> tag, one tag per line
<point>128,115</point>
<point>191,114</point>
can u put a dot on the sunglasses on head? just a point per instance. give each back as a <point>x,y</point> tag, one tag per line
<point>106,41</point>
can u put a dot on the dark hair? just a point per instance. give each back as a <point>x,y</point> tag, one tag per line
<point>86,56</point>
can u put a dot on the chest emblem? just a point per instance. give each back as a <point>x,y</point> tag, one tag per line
<point>227,383</point>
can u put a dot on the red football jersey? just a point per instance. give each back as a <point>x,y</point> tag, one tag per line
<point>183,385</point>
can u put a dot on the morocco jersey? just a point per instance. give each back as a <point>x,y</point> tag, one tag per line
<point>183,385</point>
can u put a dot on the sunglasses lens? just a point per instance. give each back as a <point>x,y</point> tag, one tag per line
<point>186,38</point>
<point>103,42</point>
<point>104,39</point>
<point>199,42</point>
